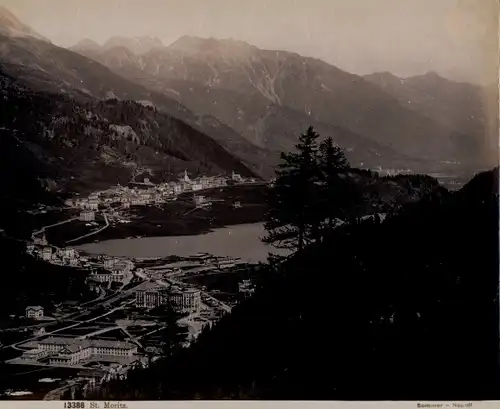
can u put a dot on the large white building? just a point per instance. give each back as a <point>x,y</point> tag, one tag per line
<point>71,351</point>
<point>151,297</point>
<point>87,216</point>
<point>186,301</point>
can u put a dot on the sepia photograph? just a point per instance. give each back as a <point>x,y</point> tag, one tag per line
<point>249,200</point>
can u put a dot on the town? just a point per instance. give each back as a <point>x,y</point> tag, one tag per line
<point>145,193</point>
<point>123,326</point>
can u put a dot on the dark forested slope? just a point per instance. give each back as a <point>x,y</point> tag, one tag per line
<point>91,143</point>
<point>406,309</point>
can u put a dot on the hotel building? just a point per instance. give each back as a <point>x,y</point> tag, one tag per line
<point>71,351</point>
<point>187,301</point>
<point>151,298</point>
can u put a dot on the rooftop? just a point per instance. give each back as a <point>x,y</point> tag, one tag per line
<point>99,343</point>
<point>72,348</point>
<point>154,289</point>
<point>192,290</point>
<point>34,307</point>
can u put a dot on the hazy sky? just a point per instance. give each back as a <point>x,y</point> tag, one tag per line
<point>456,38</point>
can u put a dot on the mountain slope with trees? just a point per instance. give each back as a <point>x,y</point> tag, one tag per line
<point>77,146</point>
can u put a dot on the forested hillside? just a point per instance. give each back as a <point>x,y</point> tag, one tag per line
<point>92,143</point>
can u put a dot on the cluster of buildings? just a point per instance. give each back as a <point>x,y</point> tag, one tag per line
<point>73,351</point>
<point>146,193</point>
<point>66,256</point>
<point>187,301</point>
<point>108,269</point>
<point>391,172</point>
<point>112,270</point>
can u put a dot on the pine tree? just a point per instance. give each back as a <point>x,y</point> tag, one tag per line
<point>293,202</point>
<point>337,189</point>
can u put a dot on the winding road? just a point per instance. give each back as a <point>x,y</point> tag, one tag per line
<point>42,230</point>
<point>94,232</point>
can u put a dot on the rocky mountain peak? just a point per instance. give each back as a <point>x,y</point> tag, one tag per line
<point>198,45</point>
<point>383,79</point>
<point>11,26</point>
<point>86,45</point>
<point>137,45</point>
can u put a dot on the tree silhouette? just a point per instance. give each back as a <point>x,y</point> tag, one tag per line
<point>340,195</point>
<point>312,191</point>
<point>336,188</point>
<point>293,202</point>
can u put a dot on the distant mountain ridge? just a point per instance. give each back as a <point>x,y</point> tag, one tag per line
<point>137,45</point>
<point>461,106</point>
<point>252,102</point>
<point>87,45</point>
<point>313,89</point>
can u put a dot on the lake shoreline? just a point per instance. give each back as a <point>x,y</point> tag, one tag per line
<point>138,230</point>
<point>239,241</point>
<point>229,206</point>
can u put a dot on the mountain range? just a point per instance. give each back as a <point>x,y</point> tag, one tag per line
<point>464,107</point>
<point>226,104</point>
<point>253,90</point>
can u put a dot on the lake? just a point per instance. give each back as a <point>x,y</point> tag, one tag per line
<point>241,241</point>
